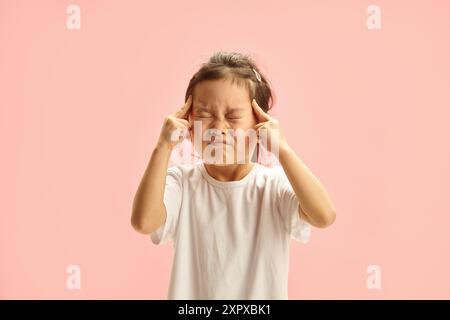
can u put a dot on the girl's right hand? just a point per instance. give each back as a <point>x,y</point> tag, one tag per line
<point>176,125</point>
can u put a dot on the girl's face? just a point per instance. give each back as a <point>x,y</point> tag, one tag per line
<point>225,107</point>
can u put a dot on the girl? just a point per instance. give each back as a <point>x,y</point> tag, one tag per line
<point>230,221</point>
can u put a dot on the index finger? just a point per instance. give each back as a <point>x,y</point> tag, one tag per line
<point>260,113</point>
<point>183,112</point>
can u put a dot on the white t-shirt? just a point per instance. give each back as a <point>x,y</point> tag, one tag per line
<point>230,238</point>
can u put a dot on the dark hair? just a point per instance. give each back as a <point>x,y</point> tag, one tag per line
<point>241,70</point>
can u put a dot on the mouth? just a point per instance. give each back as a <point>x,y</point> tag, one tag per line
<point>219,141</point>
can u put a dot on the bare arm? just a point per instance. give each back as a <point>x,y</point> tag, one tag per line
<point>149,212</point>
<point>315,206</point>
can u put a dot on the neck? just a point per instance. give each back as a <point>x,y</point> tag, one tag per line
<point>231,172</point>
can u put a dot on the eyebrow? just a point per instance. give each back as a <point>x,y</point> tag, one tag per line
<point>236,109</point>
<point>201,108</point>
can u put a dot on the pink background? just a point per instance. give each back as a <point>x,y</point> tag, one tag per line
<point>80,111</point>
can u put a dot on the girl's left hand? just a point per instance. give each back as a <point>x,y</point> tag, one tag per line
<point>268,130</point>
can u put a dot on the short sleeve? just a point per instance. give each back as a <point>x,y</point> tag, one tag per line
<point>172,202</point>
<point>288,205</point>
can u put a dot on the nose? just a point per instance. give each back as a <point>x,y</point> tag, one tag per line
<point>220,125</point>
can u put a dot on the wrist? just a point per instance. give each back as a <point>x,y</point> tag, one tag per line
<point>284,147</point>
<point>163,147</point>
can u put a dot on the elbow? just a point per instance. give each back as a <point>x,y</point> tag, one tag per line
<point>327,219</point>
<point>140,226</point>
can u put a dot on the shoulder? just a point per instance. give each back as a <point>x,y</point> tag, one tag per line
<point>270,177</point>
<point>274,178</point>
<point>182,171</point>
<point>271,173</point>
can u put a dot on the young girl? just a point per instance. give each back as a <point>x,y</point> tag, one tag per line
<point>230,221</point>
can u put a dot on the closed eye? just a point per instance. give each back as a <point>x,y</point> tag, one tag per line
<point>234,118</point>
<point>203,116</point>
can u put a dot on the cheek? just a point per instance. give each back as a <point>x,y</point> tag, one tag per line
<point>245,123</point>
<point>251,121</point>
<point>202,135</point>
<point>199,124</point>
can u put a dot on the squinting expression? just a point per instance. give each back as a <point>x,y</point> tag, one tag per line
<point>221,105</point>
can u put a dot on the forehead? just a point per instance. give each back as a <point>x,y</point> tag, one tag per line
<point>220,93</point>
